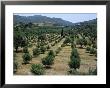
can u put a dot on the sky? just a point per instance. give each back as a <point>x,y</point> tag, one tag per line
<point>72,17</point>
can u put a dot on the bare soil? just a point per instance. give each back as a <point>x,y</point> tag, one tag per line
<point>60,66</point>
<point>24,69</point>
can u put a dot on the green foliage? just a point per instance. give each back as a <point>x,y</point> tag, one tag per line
<point>36,52</point>
<point>80,42</point>
<point>74,53</point>
<point>24,42</point>
<point>63,45</point>
<point>94,45</point>
<point>19,40</point>
<point>74,63</point>
<point>58,50</point>
<point>88,49</point>
<point>51,53</point>
<point>73,45</point>
<point>62,33</point>
<point>42,49</point>
<point>48,60</point>
<point>42,37</point>
<point>53,44</point>
<point>48,47</point>
<point>26,58</point>
<point>92,51</point>
<point>67,40</point>
<point>85,42</point>
<point>72,37</point>
<point>30,25</point>
<point>56,41</point>
<point>42,43</point>
<point>37,69</point>
<point>30,45</point>
<point>74,59</point>
<point>25,50</point>
<point>89,43</point>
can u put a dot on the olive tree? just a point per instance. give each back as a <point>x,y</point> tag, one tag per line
<point>26,58</point>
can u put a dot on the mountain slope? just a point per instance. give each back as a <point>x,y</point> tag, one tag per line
<point>41,19</point>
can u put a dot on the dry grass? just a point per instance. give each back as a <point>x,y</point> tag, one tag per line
<point>25,69</point>
<point>60,66</point>
<point>87,61</point>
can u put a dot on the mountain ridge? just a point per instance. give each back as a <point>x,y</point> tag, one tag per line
<point>41,19</point>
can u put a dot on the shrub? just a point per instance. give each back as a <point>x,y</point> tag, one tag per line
<point>29,45</point>
<point>92,51</point>
<point>84,42</point>
<point>80,42</point>
<point>62,33</point>
<point>74,63</point>
<point>42,37</point>
<point>42,49</point>
<point>53,44</point>
<point>19,40</point>
<point>56,41</point>
<point>48,47</point>
<point>48,60</point>
<point>73,45</point>
<point>42,43</point>
<point>72,37</point>
<point>38,45</point>
<point>94,46</point>
<point>36,52</point>
<point>25,50</point>
<point>63,45</point>
<point>67,40</point>
<point>51,53</point>
<point>75,53</point>
<point>58,50</point>
<point>26,58</point>
<point>88,49</point>
<point>37,69</point>
<point>89,43</point>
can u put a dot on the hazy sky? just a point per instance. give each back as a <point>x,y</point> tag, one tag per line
<point>72,17</point>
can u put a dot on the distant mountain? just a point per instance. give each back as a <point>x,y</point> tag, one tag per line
<point>41,19</point>
<point>93,21</point>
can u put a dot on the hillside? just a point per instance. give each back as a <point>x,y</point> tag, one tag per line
<point>41,19</point>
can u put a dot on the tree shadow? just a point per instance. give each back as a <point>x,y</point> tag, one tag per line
<point>47,67</point>
<point>90,54</point>
<point>18,51</point>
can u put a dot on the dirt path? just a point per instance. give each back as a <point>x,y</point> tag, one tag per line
<point>60,66</point>
<point>87,61</point>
